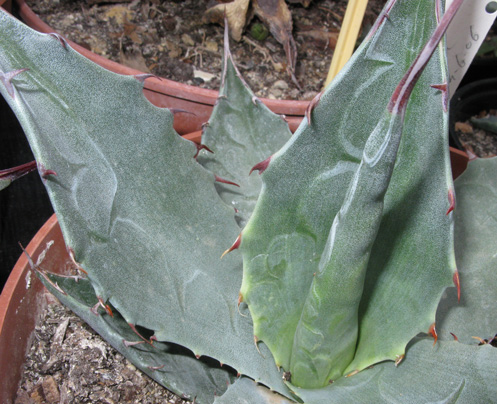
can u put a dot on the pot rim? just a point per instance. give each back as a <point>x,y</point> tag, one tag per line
<point>21,301</point>
<point>156,84</point>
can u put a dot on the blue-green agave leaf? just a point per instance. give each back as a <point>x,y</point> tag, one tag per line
<point>140,215</point>
<point>305,186</point>
<point>241,132</point>
<point>171,365</point>
<point>476,248</point>
<point>246,391</point>
<point>447,373</point>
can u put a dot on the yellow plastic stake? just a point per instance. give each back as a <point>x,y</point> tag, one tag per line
<point>348,36</point>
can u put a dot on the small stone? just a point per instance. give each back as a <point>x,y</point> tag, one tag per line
<point>205,76</point>
<point>119,13</point>
<point>281,85</point>
<point>50,390</point>
<point>187,40</point>
<point>212,46</point>
<point>37,395</point>
<point>309,95</point>
<point>276,93</point>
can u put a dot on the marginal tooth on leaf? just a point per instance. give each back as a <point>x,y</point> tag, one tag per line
<point>70,251</point>
<point>44,173</point>
<point>261,167</point>
<point>201,147</point>
<point>240,300</point>
<point>156,367</point>
<point>222,180</point>
<point>150,341</point>
<point>287,376</point>
<point>127,344</point>
<point>6,79</point>
<point>221,364</point>
<point>198,356</point>
<point>452,201</point>
<point>59,38</point>
<point>382,17</point>
<point>256,100</point>
<point>454,336</point>
<point>354,372</point>
<point>398,359</point>
<point>94,309</point>
<point>445,94</point>
<point>142,77</point>
<point>205,125</point>
<point>311,106</point>
<point>238,374</point>
<point>106,307</point>
<point>235,245</point>
<point>282,116</point>
<point>108,310</point>
<point>482,341</point>
<point>256,341</point>
<point>457,283</point>
<point>433,332</point>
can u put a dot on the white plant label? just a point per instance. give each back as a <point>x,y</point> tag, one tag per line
<point>465,35</point>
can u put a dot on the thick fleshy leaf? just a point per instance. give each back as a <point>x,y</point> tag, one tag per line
<point>241,133</point>
<point>446,373</point>
<point>305,184</point>
<point>171,365</point>
<point>476,247</point>
<point>246,391</point>
<point>142,217</point>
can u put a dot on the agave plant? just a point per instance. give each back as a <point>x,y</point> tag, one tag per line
<point>342,256</point>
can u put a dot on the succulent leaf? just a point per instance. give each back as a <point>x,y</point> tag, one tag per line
<point>411,260</point>
<point>475,246</point>
<point>169,364</point>
<point>241,132</point>
<point>245,391</point>
<point>142,217</point>
<point>446,373</point>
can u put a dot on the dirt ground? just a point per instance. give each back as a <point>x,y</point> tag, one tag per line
<point>68,363</point>
<point>169,39</point>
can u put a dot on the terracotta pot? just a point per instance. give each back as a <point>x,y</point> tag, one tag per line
<point>21,303</point>
<point>6,4</point>
<point>23,297</point>
<point>167,93</point>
